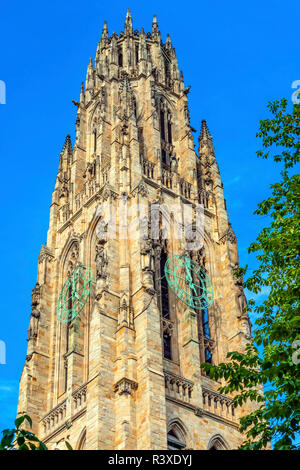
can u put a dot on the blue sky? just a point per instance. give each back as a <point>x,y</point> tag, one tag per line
<point>236,56</point>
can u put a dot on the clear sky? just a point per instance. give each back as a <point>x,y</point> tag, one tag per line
<point>236,55</point>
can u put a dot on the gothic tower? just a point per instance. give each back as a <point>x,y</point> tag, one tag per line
<point>125,372</point>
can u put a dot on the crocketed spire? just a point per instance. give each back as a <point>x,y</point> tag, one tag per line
<point>204,134</point>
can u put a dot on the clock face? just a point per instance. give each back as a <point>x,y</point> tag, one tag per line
<point>189,282</point>
<point>74,294</point>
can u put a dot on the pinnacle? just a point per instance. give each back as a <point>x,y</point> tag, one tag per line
<point>154,25</point>
<point>168,41</point>
<point>67,145</point>
<point>105,31</point>
<point>128,14</point>
<point>128,23</point>
<point>204,134</point>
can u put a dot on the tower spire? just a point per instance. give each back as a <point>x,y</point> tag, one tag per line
<point>128,23</point>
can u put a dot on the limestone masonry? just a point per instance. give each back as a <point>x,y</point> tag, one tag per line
<point>125,373</point>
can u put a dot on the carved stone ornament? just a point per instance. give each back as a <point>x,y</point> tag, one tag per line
<point>140,189</point>
<point>101,260</point>
<point>125,386</point>
<point>35,312</point>
<point>198,412</point>
<point>45,254</point>
<point>228,236</point>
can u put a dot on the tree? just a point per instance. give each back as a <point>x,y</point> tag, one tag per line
<point>272,360</point>
<point>21,439</point>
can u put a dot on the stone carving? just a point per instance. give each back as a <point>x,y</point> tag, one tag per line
<point>35,312</point>
<point>125,386</point>
<point>45,254</point>
<point>101,260</point>
<point>228,236</point>
<point>147,255</point>
<point>63,192</point>
<point>174,162</point>
<point>126,313</point>
<point>33,324</point>
<point>167,326</point>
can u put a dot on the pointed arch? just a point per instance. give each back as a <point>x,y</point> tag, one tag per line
<point>81,443</point>
<point>178,435</point>
<point>218,442</point>
<point>73,242</point>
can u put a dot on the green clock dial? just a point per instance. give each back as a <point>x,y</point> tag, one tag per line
<point>189,282</point>
<point>74,294</point>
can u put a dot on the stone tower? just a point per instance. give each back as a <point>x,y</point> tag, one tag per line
<point>125,373</point>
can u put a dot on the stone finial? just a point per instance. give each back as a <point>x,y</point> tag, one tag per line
<point>155,29</point>
<point>168,42</point>
<point>82,93</point>
<point>89,75</point>
<point>90,66</point>
<point>128,23</point>
<point>104,32</point>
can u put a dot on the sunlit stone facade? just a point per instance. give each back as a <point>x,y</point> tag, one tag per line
<point>125,374</point>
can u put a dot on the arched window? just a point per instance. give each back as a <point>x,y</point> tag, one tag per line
<point>165,124</point>
<point>217,443</point>
<point>165,305</point>
<point>165,310</point>
<point>169,132</point>
<point>203,318</point>
<point>120,57</point>
<point>68,328</point>
<point>206,334</point>
<point>72,333</point>
<point>167,72</point>
<point>176,437</point>
<point>162,125</point>
<point>134,107</point>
